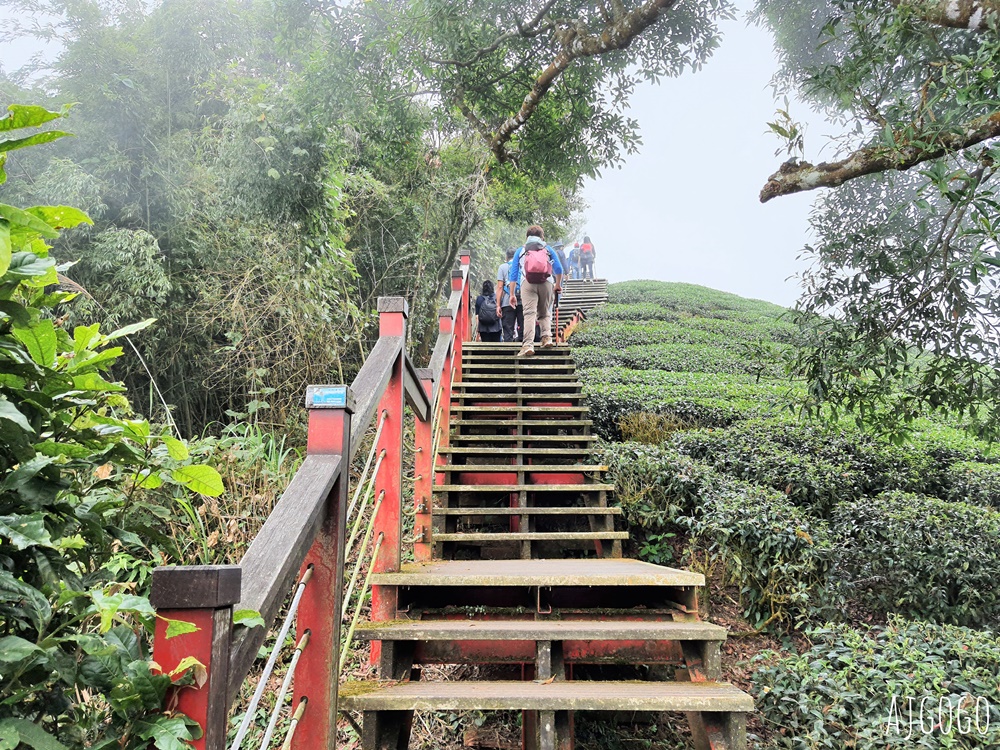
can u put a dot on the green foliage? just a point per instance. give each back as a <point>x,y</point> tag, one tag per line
<point>861,688</point>
<point>76,472</point>
<point>779,557</point>
<point>973,482</point>
<point>921,557</point>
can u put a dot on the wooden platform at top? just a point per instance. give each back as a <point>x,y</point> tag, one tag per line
<point>549,572</point>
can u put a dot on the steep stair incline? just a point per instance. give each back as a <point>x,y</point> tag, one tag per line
<point>528,582</point>
<point>579,296</point>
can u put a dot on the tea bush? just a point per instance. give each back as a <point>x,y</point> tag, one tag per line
<point>922,557</point>
<point>815,465</point>
<point>859,688</point>
<point>974,482</point>
<point>779,556</point>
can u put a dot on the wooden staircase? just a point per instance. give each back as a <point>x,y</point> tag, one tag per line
<point>528,580</point>
<point>579,297</point>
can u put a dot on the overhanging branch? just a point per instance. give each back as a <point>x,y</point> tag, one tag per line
<point>797,177</point>
<point>976,15</point>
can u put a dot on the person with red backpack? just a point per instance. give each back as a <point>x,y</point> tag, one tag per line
<point>532,267</point>
<point>587,258</point>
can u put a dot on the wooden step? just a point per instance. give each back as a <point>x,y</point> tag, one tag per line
<point>557,396</point>
<point>539,630</point>
<point>575,510</point>
<point>532,364</point>
<point>506,438</point>
<point>532,573</point>
<point>522,407</point>
<point>441,488</point>
<point>450,451</point>
<point>526,468</point>
<point>520,378</point>
<point>555,696</point>
<point>500,422</point>
<point>529,536</point>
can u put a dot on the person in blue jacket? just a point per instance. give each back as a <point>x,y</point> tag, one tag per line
<point>537,297</point>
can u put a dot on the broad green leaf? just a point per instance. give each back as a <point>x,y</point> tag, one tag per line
<point>14,650</point>
<point>20,218</point>
<point>176,448</point>
<point>17,312</point>
<point>83,335</point>
<point>25,472</point>
<point>248,618</point>
<point>149,481</point>
<point>130,329</point>
<point>200,478</point>
<point>168,732</point>
<point>9,736</point>
<point>32,606</point>
<point>274,174</point>
<point>12,144</point>
<point>178,627</point>
<point>25,531</point>
<point>188,662</point>
<point>60,217</point>
<point>27,116</point>
<point>53,448</point>
<point>91,381</point>
<point>25,265</point>
<point>11,413</point>
<point>6,249</point>
<point>31,734</point>
<point>40,340</point>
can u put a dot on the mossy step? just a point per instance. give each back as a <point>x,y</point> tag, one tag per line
<point>528,536</point>
<point>539,630</point>
<point>532,573</point>
<point>527,511</point>
<point>526,468</point>
<point>524,487</point>
<point>517,451</point>
<point>554,696</point>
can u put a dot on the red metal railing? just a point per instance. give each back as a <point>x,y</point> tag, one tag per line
<point>304,537</point>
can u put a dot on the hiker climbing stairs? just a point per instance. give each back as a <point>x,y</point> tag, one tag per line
<point>528,583</point>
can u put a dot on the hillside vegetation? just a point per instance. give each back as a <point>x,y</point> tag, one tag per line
<point>876,559</point>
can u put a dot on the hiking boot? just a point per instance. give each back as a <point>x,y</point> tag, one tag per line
<point>547,342</point>
<point>527,350</point>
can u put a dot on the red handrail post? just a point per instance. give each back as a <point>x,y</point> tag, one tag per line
<point>393,312</point>
<point>446,325</point>
<point>423,472</point>
<point>460,326</point>
<point>202,595</point>
<point>321,607</point>
<point>465,262</point>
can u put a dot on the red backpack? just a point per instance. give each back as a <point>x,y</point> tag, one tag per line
<point>537,265</point>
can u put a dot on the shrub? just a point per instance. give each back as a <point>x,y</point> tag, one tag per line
<point>643,427</point>
<point>814,464</point>
<point>778,555</point>
<point>973,482</point>
<point>852,689</point>
<point>922,557</point>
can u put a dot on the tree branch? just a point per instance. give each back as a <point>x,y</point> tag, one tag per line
<point>797,177</point>
<point>576,44</point>
<point>977,15</point>
<point>527,30</point>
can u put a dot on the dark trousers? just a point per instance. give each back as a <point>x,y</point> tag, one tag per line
<point>510,316</point>
<point>489,335</point>
<point>588,270</point>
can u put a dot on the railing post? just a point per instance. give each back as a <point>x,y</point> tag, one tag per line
<point>460,324</point>
<point>446,325</point>
<point>389,520</point>
<point>423,473</point>
<point>321,608</point>
<point>202,595</point>
<point>465,261</point>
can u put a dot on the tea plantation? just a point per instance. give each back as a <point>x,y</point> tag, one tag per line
<point>872,565</point>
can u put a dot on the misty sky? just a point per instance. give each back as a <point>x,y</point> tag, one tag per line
<point>685,208</point>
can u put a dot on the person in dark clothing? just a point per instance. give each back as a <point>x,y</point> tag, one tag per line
<point>511,309</point>
<point>487,317</point>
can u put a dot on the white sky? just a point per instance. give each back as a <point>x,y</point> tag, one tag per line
<point>685,208</point>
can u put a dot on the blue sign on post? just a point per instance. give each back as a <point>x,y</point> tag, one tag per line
<point>326,396</point>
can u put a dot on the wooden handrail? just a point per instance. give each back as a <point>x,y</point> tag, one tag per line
<point>307,525</point>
